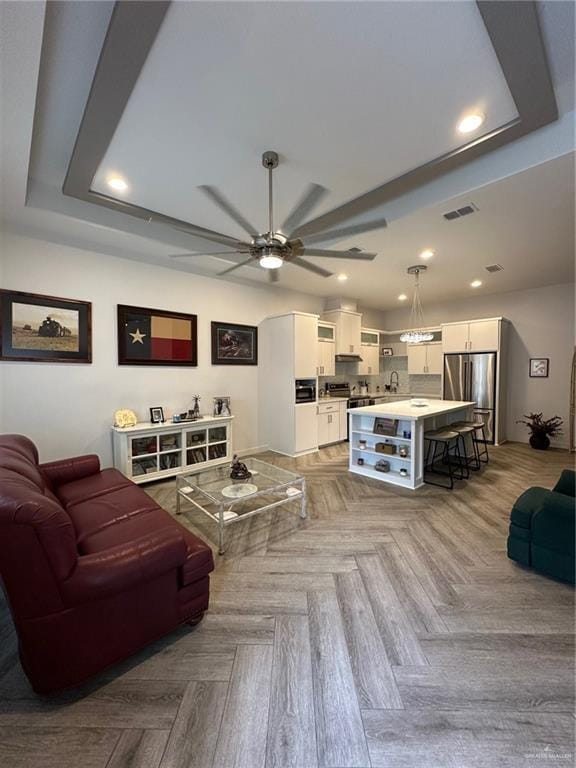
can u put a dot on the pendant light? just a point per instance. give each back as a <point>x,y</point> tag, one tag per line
<point>416,335</point>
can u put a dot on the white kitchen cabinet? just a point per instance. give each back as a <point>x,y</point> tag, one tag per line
<point>326,358</point>
<point>434,358</point>
<point>328,428</point>
<point>474,336</point>
<point>370,365</point>
<point>332,422</point>
<point>306,428</point>
<point>305,346</point>
<point>416,358</point>
<point>288,351</point>
<point>326,331</point>
<point>425,358</point>
<point>370,337</point>
<point>348,330</point>
<point>484,336</point>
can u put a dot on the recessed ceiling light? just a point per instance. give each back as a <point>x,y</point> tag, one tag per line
<point>475,283</point>
<point>117,183</point>
<point>342,277</point>
<point>402,297</point>
<point>470,123</point>
<point>427,254</point>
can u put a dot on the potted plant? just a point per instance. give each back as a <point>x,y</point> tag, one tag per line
<point>541,430</point>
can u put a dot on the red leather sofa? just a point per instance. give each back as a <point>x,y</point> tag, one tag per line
<point>92,568</point>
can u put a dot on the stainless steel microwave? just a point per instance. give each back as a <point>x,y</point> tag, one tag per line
<point>305,390</point>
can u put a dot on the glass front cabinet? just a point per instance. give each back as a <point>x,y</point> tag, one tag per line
<point>151,451</point>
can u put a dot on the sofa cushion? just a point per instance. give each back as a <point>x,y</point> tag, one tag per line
<point>126,514</point>
<point>90,487</point>
<point>526,505</point>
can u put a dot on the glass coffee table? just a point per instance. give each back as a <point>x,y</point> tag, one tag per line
<point>228,501</point>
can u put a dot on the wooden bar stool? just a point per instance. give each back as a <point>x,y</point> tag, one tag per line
<point>448,441</point>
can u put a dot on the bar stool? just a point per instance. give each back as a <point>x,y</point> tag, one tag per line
<point>467,431</point>
<point>481,442</point>
<point>447,440</point>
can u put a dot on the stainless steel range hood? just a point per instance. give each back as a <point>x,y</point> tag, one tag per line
<point>348,359</point>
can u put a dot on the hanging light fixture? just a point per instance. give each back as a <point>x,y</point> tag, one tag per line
<point>416,335</point>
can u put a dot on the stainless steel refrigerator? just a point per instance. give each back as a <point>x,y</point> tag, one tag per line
<point>473,377</point>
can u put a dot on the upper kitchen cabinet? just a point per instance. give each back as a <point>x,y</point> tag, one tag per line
<point>348,331</point>
<point>369,337</point>
<point>305,346</point>
<point>475,336</point>
<point>369,352</point>
<point>425,358</point>
<point>370,365</point>
<point>326,349</point>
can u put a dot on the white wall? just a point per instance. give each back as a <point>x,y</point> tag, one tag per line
<point>541,325</point>
<point>67,409</point>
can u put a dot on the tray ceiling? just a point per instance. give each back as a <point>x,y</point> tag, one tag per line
<point>349,99</point>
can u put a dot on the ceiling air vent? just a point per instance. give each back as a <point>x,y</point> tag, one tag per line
<point>494,268</point>
<point>459,212</point>
<point>354,250</point>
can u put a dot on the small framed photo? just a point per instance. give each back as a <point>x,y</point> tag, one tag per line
<point>44,329</point>
<point>222,406</point>
<point>387,351</point>
<point>234,344</point>
<point>157,415</point>
<point>539,367</point>
<point>385,426</point>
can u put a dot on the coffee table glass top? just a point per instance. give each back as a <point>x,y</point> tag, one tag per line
<point>215,482</point>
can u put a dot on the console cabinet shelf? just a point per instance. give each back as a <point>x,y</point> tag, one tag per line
<point>148,452</point>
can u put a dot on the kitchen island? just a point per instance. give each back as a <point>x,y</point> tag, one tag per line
<point>404,451</point>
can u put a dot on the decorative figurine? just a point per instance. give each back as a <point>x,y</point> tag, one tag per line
<point>239,470</point>
<point>403,451</point>
<point>196,408</point>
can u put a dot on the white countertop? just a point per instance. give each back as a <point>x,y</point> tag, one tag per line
<point>404,409</point>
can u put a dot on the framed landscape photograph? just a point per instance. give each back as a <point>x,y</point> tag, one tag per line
<point>234,344</point>
<point>44,329</point>
<point>539,367</point>
<point>156,337</point>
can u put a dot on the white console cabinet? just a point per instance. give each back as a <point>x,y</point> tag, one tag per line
<point>149,452</point>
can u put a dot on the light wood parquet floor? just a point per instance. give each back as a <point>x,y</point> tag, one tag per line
<point>388,630</point>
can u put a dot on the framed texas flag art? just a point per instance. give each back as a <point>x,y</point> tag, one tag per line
<point>156,337</point>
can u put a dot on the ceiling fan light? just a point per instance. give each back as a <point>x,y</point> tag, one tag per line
<point>270,260</point>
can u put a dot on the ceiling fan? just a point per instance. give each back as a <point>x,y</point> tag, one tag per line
<point>274,248</point>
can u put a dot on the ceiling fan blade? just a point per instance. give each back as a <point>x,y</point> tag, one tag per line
<point>309,200</point>
<point>214,253</point>
<point>310,267</point>
<point>353,229</point>
<point>236,266</point>
<point>228,208</point>
<point>360,256</point>
<point>273,275</point>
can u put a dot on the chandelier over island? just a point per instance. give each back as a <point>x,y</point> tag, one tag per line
<point>417,334</point>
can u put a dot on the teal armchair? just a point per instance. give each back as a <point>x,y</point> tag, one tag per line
<point>543,529</point>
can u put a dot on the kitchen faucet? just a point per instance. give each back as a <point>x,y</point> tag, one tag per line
<point>396,383</point>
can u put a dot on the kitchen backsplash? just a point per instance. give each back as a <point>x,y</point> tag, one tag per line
<point>426,384</point>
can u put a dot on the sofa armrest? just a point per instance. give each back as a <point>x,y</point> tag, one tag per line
<point>125,566</point>
<point>567,483</point>
<point>66,470</point>
<point>554,524</point>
